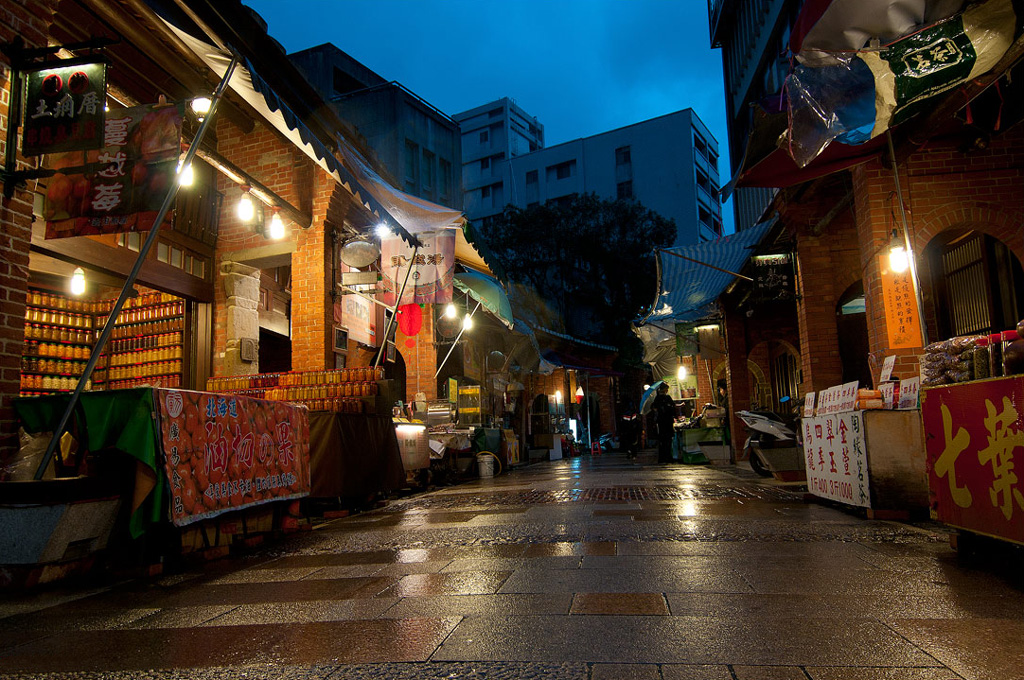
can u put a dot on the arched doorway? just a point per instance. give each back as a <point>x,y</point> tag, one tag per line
<point>852,326</point>
<point>977,284</point>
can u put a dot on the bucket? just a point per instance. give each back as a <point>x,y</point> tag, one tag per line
<point>485,465</point>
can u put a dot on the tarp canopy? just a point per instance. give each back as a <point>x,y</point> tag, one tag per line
<point>688,286</point>
<point>489,292</point>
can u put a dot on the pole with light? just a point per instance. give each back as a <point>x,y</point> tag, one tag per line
<point>903,256</point>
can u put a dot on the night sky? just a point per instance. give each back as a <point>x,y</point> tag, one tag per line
<point>581,67</point>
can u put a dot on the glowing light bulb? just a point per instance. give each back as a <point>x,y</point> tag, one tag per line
<point>467,322</point>
<point>899,261</point>
<point>681,373</point>
<point>78,281</point>
<point>276,227</point>
<point>246,210</point>
<point>201,106</point>
<point>450,312</point>
<point>382,230</point>
<point>186,175</point>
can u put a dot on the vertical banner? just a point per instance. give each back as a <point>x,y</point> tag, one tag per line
<point>836,459</point>
<point>975,450</point>
<point>141,146</point>
<point>64,108</point>
<point>225,452</point>
<point>901,318</point>
<point>433,269</point>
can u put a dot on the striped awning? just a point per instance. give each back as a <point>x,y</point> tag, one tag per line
<point>689,285</point>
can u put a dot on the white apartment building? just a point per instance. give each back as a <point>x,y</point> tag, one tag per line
<point>669,164</point>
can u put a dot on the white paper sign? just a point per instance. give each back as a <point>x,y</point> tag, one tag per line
<point>909,391</point>
<point>848,397</point>
<point>888,390</point>
<point>835,458</point>
<point>838,399</point>
<point>809,404</point>
<point>887,365</point>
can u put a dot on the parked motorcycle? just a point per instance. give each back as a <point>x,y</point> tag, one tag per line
<point>773,441</point>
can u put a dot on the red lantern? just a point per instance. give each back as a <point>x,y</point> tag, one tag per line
<point>410,319</point>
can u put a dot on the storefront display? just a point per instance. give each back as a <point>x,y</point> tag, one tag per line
<point>975,430</point>
<point>146,345</point>
<point>341,390</point>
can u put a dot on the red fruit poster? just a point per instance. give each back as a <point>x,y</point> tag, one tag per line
<point>127,181</point>
<point>225,452</point>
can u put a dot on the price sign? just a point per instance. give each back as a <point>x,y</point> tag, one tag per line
<point>887,365</point>
<point>909,391</point>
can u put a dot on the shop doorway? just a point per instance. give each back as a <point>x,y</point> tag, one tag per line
<point>852,326</point>
<point>977,283</point>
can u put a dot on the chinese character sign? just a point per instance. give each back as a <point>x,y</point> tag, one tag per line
<point>64,109</point>
<point>900,300</point>
<point>432,269</point>
<point>975,449</point>
<point>836,459</point>
<point>224,452</point>
<point>138,158</point>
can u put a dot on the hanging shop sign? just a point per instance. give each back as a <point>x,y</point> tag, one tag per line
<point>901,318</point>
<point>432,269</point>
<point>773,277</point>
<point>358,315</point>
<point>223,452</point>
<point>141,146</point>
<point>64,107</point>
<point>835,458</point>
<point>975,435</point>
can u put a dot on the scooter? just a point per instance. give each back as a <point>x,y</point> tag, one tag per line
<point>767,430</point>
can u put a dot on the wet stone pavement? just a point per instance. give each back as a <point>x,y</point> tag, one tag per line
<point>587,569</point>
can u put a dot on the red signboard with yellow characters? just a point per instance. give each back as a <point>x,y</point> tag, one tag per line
<point>975,443</point>
<point>225,452</point>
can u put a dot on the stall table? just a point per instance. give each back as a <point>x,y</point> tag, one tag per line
<point>353,456</point>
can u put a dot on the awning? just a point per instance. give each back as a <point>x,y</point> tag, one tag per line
<point>689,289</point>
<point>489,292</point>
<point>247,84</point>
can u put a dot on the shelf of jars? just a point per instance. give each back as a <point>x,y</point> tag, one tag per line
<point>145,346</point>
<point>341,390</point>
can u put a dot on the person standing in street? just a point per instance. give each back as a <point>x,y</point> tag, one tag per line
<point>665,408</point>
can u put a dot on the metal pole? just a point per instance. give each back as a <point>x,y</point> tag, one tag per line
<point>906,244</point>
<point>108,327</point>
<point>394,315</point>
<point>455,342</point>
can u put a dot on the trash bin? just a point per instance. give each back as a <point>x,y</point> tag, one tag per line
<point>485,465</point>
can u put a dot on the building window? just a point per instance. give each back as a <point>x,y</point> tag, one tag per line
<point>702,180</point>
<point>444,177</point>
<point>412,163</point>
<point>428,170</point>
<point>485,164</point>
<point>561,171</point>
<point>700,145</point>
<point>485,136</point>
<point>485,192</point>
<point>622,156</point>
<point>531,177</point>
<point>624,189</point>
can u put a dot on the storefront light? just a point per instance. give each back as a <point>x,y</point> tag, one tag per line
<point>78,281</point>
<point>186,175</point>
<point>276,226</point>
<point>558,396</point>
<point>246,210</point>
<point>681,372</point>
<point>467,322</point>
<point>899,259</point>
<point>382,230</point>
<point>201,106</point>
<point>450,312</point>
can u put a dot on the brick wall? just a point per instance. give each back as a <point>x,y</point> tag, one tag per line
<point>944,189</point>
<point>31,20</point>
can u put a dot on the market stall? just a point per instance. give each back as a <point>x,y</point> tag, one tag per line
<point>175,456</point>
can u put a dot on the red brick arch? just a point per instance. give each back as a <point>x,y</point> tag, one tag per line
<point>1006,226</point>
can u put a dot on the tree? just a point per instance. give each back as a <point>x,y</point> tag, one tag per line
<point>591,259</point>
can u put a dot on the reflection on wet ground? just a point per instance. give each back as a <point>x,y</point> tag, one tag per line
<point>580,570</point>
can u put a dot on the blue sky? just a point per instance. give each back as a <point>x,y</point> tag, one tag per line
<point>581,67</point>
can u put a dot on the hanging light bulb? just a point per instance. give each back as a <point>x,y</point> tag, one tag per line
<point>558,396</point>
<point>681,372</point>
<point>276,226</point>
<point>201,106</point>
<point>186,176</point>
<point>467,322</point>
<point>899,259</point>
<point>382,230</point>
<point>246,210</point>
<point>450,312</point>
<point>78,281</point>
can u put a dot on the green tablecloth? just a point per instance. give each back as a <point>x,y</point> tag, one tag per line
<point>123,420</point>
